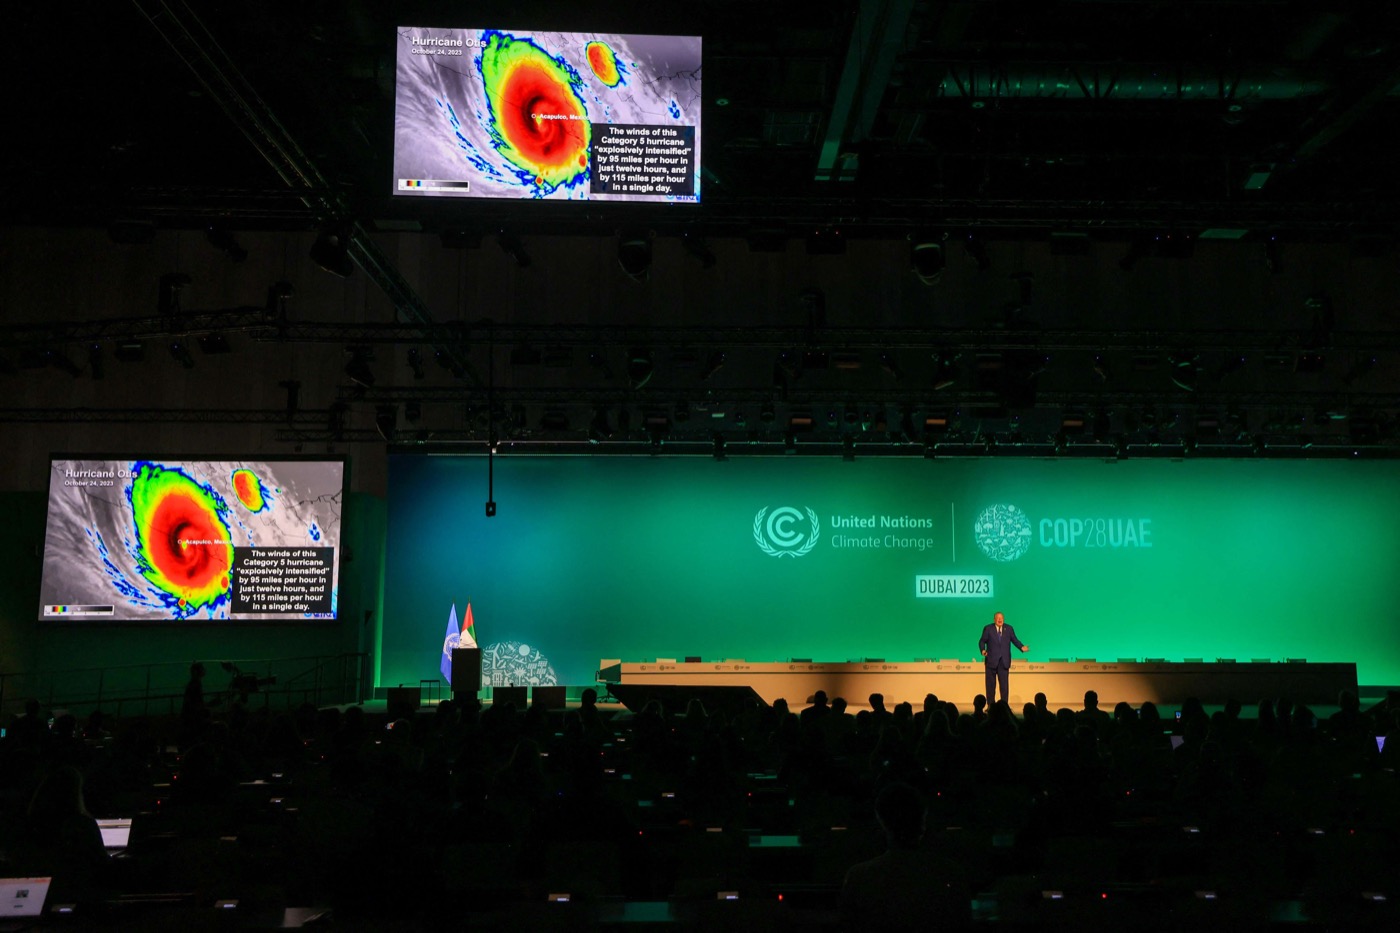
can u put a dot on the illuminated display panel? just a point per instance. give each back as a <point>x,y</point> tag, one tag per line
<point>497,113</point>
<point>148,540</point>
<point>774,558</point>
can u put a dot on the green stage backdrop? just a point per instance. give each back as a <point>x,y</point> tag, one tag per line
<point>768,559</point>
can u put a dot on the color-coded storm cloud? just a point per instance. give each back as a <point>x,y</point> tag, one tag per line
<point>250,491</point>
<point>538,119</point>
<point>183,544</point>
<point>603,61</point>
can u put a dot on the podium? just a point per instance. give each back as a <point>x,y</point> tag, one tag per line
<point>466,671</point>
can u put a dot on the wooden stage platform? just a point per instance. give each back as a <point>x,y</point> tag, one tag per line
<point>1165,683</point>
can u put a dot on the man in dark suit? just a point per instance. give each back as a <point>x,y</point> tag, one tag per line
<point>997,639</point>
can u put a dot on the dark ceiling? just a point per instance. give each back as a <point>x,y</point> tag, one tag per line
<point>999,113</point>
<point>1020,121</point>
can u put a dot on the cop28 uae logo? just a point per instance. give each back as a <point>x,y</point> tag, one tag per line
<point>780,534</point>
<point>1003,532</point>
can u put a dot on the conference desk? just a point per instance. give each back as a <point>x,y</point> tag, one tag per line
<point>1062,682</point>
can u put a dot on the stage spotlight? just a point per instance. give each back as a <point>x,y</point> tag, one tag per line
<point>1184,372</point>
<point>889,364</point>
<point>718,444</point>
<point>945,371</point>
<point>357,370</point>
<point>977,249</point>
<point>657,425</point>
<point>95,361</point>
<point>640,368</point>
<point>599,361</point>
<point>445,360</point>
<point>926,259</point>
<point>713,364</point>
<point>224,241</point>
<point>386,421</point>
<point>212,344</point>
<point>790,443</point>
<point>130,351</point>
<point>415,363</point>
<point>278,294</point>
<point>848,448</point>
<point>180,352</point>
<point>168,300</point>
<point>331,251</point>
<point>695,246</point>
<point>599,429</point>
<point>413,412</point>
<point>634,255</point>
<point>510,245</point>
<point>1101,425</point>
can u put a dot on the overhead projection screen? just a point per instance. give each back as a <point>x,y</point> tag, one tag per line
<point>768,559</point>
<point>506,113</point>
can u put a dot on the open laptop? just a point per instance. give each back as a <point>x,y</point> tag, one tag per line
<point>116,833</point>
<point>23,897</point>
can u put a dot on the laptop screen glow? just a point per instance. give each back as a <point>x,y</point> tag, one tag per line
<point>23,897</point>
<point>115,832</point>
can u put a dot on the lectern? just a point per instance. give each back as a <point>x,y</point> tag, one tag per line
<point>466,671</point>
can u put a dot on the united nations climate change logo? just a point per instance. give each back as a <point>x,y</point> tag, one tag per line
<point>1003,532</point>
<point>776,535</point>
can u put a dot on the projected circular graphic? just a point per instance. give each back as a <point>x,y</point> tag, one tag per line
<point>787,532</point>
<point>1003,532</point>
<point>539,122</point>
<point>507,663</point>
<point>182,537</point>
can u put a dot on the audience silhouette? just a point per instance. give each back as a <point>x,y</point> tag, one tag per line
<point>1272,808</point>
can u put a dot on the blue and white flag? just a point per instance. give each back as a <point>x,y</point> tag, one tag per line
<point>451,640</point>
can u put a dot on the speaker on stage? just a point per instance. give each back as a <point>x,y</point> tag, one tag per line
<point>466,671</point>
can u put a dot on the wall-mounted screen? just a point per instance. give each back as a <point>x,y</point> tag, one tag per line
<point>149,540</point>
<point>498,113</point>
